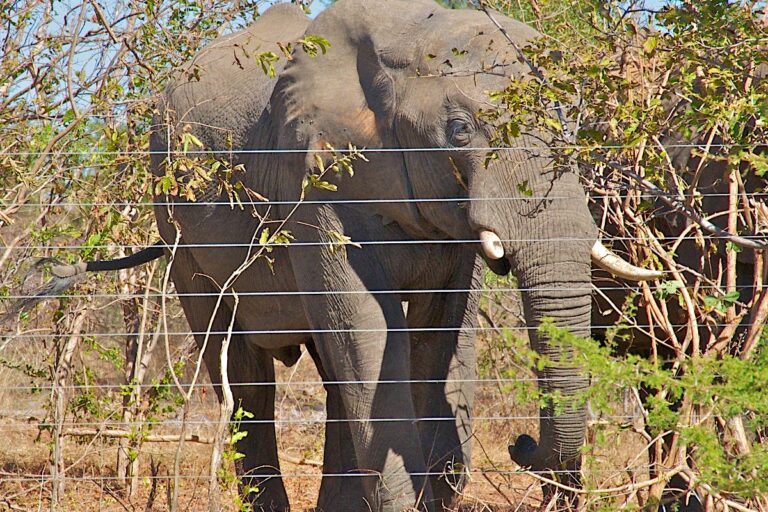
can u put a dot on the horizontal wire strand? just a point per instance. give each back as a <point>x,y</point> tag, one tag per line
<point>288,383</point>
<point>279,332</point>
<point>758,238</point>
<point>363,151</point>
<point>299,293</point>
<point>205,478</point>
<point>295,421</point>
<point>348,201</point>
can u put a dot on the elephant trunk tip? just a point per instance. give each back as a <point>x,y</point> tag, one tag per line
<point>523,452</point>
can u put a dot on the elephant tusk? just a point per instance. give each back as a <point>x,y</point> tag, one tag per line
<point>614,264</point>
<point>491,245</point>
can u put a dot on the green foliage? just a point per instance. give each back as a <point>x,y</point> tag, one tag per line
<point>722,303</point>
<point>634,83</point>
<point>267,62</point>
<point>314,44</point>
<point>227,477</point>
<point>76,113</point>
<point>715,386</point>
<point>331,163</point>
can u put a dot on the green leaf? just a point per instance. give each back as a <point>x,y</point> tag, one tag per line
<point>267,62</point>
<point>553,123</point>
<point>338,241</point>
<point>282,237</point>
<point>525,189</point>
<point>238,436</point>
<point>712,302</point>
<point>314,44</point>
<point>316,182</point>
<point>668,288</point>
<point>319,163</point>
<point>264,236</point>
<point>721,303</point>
<point>241,413</point>
<point>650,44</point>
<point>68,116</point>
<point>187,140</point>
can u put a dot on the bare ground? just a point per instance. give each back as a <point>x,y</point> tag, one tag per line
<point>90,483</point>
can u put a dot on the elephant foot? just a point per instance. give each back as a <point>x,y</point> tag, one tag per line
<point>342,494</point>
<point>678,497</point>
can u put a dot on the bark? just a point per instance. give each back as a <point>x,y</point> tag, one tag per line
<point>59,397</point>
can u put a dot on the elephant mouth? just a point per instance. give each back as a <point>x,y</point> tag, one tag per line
<point>500,267</point>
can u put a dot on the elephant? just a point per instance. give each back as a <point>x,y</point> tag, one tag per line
<point>423,211</point>
<point>709,178</point>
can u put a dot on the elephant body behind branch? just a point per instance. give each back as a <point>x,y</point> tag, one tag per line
<point>665,325</point>
<point>397,75</point>
<point>407,80</point>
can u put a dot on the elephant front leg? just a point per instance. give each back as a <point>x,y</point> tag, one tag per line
<point>341,489</point>
<point>361,343</point>
<point>447,359</point>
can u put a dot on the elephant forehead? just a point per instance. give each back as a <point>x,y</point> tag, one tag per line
<point>468,44</point>
<point>364,121</point>
<point>322,127</point>
<point>465,29</point>
<point>482,58</point>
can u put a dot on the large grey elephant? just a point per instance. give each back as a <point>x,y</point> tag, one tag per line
<point>406,79</point>
<point>409,75</point>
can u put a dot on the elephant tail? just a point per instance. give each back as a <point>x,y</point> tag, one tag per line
<point>65,275</point>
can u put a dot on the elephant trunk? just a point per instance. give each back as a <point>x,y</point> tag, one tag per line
<point>547,238</point>
<point>556,284</point>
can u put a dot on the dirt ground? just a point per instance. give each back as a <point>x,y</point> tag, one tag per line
<point>500,415</point>
<point>90,484</point>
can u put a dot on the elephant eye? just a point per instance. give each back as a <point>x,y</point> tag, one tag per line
<point>459,132</point>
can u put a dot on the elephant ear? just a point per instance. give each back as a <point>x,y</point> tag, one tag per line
<point>348,96</point>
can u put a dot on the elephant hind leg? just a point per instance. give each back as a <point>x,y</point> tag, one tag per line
<point>248,363</point>
<point>259,471</point>
<point>341,488</point>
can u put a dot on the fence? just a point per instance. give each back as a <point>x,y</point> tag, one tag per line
<point>119,375</point>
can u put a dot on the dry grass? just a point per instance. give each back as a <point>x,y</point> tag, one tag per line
<point>24,455</point>
<point>91,463</point>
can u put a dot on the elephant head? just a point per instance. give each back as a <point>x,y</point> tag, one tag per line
<point>413,75</point>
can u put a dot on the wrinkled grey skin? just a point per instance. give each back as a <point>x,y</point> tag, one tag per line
<point>383,83</point>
